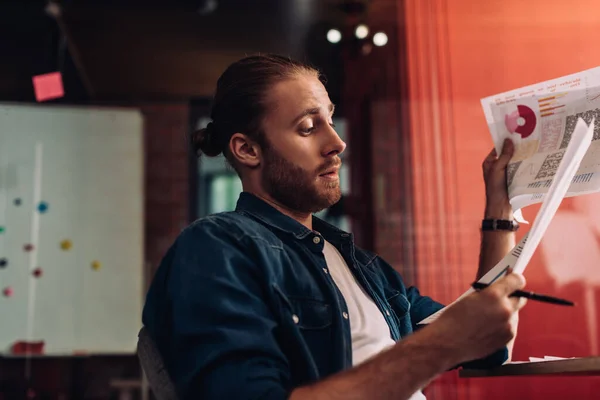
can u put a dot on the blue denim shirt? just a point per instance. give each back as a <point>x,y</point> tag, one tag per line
<point>243,307</point>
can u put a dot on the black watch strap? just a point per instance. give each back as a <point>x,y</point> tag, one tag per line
<point>499,225</point>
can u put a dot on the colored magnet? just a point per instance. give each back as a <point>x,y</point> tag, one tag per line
<point>66,245</point>
<point>24,347</point>
<point>28,247</point>
<point>37,272</point>
<point>3,262</point>
<point>96,265</point>
<point>17,202</point>
<point>48,86</point>
<point>7,292</point>
<point>2,229</point>
<point>42,207</point>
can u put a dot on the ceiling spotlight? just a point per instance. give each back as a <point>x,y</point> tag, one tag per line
<point>334,36</point>
<point>207,7</point>
<point>361,31</point>
<point>380,39</point>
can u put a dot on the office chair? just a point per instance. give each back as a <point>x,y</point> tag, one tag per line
<point>153,366</point>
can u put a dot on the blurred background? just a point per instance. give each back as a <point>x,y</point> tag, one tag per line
<point>97,180</point>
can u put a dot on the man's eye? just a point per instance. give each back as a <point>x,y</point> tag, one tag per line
<point>307,131</point>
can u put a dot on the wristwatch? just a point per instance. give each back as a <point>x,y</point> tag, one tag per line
<point>499,225</point>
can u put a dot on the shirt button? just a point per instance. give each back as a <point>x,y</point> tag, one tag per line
<point>387,312</point>
<point>345,315</point>
<point>295,318</point>
<point>316,240</point>
<point>325,270</point>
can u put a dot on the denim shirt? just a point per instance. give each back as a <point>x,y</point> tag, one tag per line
<point>243,306</point>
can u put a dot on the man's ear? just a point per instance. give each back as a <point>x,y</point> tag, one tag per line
<point>245,150</point>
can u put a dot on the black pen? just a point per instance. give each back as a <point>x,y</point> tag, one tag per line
<point>530,295</point>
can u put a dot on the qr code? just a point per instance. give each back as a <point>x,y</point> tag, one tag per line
<point>550,165</point>
<point>511,170</point>
<point>572,122</point>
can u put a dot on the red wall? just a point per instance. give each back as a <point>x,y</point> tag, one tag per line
<point>458,52</point>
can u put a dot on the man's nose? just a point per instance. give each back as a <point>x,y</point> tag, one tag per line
<point>335,143</point>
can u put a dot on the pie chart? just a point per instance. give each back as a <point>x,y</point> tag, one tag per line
<point>522,121</point>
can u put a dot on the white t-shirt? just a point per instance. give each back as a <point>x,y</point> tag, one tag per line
<point>370,333</point>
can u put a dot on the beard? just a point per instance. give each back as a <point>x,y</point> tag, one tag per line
<point>296,188</point>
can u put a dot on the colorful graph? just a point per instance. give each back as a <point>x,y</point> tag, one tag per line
<point>551,105</point>
<point>522,121</point>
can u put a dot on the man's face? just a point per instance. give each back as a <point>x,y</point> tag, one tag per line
<point>301,160</point>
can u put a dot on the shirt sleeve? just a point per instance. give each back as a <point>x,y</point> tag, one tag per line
<point>421,306</point>
<point>223,329</point>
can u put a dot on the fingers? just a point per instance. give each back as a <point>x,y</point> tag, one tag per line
<point>508,284</point>
<point>518,302</point>
<point>489,160</point>
<point>508,150</point>
<point>491,157</point>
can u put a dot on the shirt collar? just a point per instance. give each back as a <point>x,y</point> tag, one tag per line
<point>252,205</point>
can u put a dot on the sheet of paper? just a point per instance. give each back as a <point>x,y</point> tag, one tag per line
<point>520,256</point>
<point>554,358</point>
<point>571,160</point>
<point>537,359</point>
<point>499,269</point>
<point>540,119</point>
<point>546,358</point>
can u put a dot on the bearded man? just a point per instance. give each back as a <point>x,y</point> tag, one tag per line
<point>270,302</point>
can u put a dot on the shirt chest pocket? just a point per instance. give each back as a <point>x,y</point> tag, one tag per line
<point>399,304</point>
<point>305,313</point>
<point>310,314</point>
<point>308,336</point>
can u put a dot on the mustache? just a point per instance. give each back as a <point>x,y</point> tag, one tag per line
<point>334,163</point>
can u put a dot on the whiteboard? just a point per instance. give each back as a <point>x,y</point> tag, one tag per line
<point>86,166</point>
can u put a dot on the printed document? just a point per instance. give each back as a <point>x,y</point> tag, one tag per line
<point>540,119</point>
<point>568,166</point>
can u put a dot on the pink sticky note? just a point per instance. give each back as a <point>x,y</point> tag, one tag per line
<point>48,86</point>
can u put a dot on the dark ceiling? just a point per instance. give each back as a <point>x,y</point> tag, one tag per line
<point>151,50</point>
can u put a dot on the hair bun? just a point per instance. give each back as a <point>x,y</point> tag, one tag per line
<point>205,141</point>
<point>210,128</point>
